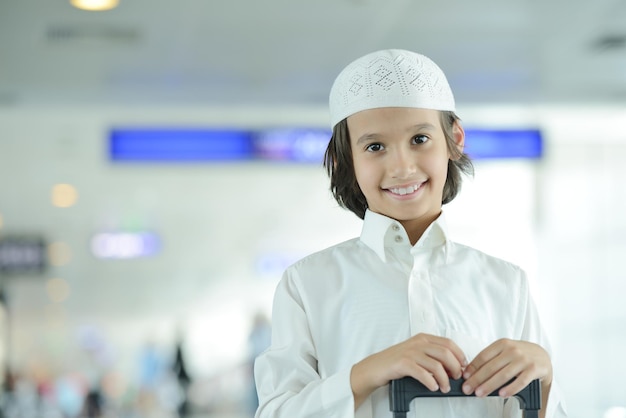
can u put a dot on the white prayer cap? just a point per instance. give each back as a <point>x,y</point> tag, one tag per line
<point>389,78</point>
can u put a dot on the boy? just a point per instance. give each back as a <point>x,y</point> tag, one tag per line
<point>401,300</point>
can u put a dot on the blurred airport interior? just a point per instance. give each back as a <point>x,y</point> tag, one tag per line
<point>142,233</point>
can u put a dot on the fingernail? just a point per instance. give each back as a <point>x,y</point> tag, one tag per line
<point>467,389</point>
<point>479,392</point>
<point>466,374</point>
<point>445,389</point>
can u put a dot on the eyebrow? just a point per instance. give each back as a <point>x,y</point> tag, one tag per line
<point>419,127</point>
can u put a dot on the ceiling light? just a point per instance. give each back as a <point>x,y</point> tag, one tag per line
<point>95,5</point>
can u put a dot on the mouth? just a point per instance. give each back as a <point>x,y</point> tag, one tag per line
<point>405,190</point>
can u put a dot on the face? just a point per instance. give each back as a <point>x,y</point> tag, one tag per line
<point>400,161</point>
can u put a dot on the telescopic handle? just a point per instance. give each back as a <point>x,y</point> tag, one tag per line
<point>403,391</point>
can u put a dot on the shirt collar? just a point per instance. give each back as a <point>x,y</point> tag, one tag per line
<point>381,233</point>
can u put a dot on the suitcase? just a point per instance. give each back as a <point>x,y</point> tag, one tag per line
<point>403,391</point>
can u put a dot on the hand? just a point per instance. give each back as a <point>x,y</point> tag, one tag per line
<point>427,358</point>
<point>504,360</point>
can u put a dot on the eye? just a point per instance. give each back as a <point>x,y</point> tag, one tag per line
<point>420,139</point>
<point>375,147</point>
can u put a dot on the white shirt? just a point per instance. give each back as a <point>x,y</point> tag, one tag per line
<point>340,305</point>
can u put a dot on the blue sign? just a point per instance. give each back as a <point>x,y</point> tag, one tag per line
<point>298,145</point>
<point>503,144</point>
<point>180,145</point>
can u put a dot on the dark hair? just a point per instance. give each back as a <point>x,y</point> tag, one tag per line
<point>340,167</point>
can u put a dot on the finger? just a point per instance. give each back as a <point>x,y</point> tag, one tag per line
<point>448,360</point>
<point>484,357</point>
<point>424,376</point>
<point>452,347</point>
<point>446,352</point>
<point>483,374</point>
<point>497,380</point>
<point>516,386</point>
<point>437,372</point>
<point>441,376</point>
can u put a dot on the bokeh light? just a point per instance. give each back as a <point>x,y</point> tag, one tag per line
<point>615,412</point>
<point>59,253</point>
<point>64,195</point>
<point>58,290</point>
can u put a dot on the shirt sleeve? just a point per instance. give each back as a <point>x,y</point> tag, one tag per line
<point>533,332</point>
<point>286,374</point>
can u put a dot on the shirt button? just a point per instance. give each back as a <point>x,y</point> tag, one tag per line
<point>398,238</point>
<point>395,227</point>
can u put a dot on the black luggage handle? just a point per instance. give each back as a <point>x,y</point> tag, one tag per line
<point>403,391</point>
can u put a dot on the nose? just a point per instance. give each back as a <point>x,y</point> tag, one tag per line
<point>402,164</point>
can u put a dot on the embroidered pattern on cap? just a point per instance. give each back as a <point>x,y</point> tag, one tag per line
<point>389,78</point>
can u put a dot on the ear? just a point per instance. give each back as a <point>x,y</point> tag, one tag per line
<point>458,136</point>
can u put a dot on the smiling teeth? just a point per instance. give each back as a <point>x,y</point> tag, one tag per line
<point>404,190</point>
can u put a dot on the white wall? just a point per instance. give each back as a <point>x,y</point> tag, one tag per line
<point>562,218</point>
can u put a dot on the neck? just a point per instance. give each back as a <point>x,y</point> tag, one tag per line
<point>415,228</point>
